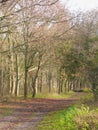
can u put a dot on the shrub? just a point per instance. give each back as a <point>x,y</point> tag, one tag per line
<point>86,119</point>
<point>74,118</point>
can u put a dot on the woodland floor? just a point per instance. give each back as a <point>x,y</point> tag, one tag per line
<point>28,113</point>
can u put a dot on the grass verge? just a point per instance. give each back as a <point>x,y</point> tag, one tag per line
<point>83,116</point>
<point>55,95</point>
<point>74,118</point>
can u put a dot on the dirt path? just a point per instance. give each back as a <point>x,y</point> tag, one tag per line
<point>27,114</point>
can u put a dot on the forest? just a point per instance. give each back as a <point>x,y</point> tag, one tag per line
<point>46,49</point>
<point>43,47</point>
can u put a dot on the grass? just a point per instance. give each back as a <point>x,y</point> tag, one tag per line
<point>5,111</point>
<point>74,118</point>
<point>55,95</point>
<point>83,116</point>
<point>57,120</point>
<point>41,95</point>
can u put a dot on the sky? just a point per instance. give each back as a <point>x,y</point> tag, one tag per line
<point>83,5</point>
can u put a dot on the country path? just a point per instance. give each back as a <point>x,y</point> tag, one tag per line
<point>28,113</point>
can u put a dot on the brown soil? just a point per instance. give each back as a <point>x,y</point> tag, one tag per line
<point>28,113</point>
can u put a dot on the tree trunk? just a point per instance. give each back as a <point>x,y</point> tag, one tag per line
<point>16,86</point>
<point>33,87</point>
<point>68,85</point>
<point>41,82</point>
<point>65,86</point>
<point>59,89</point>
<point>26,71</point>
<point>2,80</point>
<point>35,77</point>
<point>49,81</point>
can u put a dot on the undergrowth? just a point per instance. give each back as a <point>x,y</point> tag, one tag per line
<point>74,118</point>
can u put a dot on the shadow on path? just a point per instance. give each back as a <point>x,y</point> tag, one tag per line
<point>28,113</point>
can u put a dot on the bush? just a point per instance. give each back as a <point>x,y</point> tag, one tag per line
<point>81,118</point>
<point>86,119</point>
<point>87,98</point>
<point>74,118</point>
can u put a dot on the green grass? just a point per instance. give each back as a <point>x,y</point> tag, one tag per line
<point>55,95</point>
<point>42,95</point>
<point>74,118</point>
<point>57,120</point>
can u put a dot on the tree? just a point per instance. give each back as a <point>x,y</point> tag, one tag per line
<point>25,27</point>
<point>87,43</point>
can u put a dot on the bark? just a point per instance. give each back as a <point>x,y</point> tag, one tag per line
<point>65,86</point>
<point>41,82</point>
<point>59,89</point>
<point>2,80</point>
<point>35,77</point>
<point>68,85</point>
<point>49,81</point>
<point>16,86</point>
<point>25,70</point>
